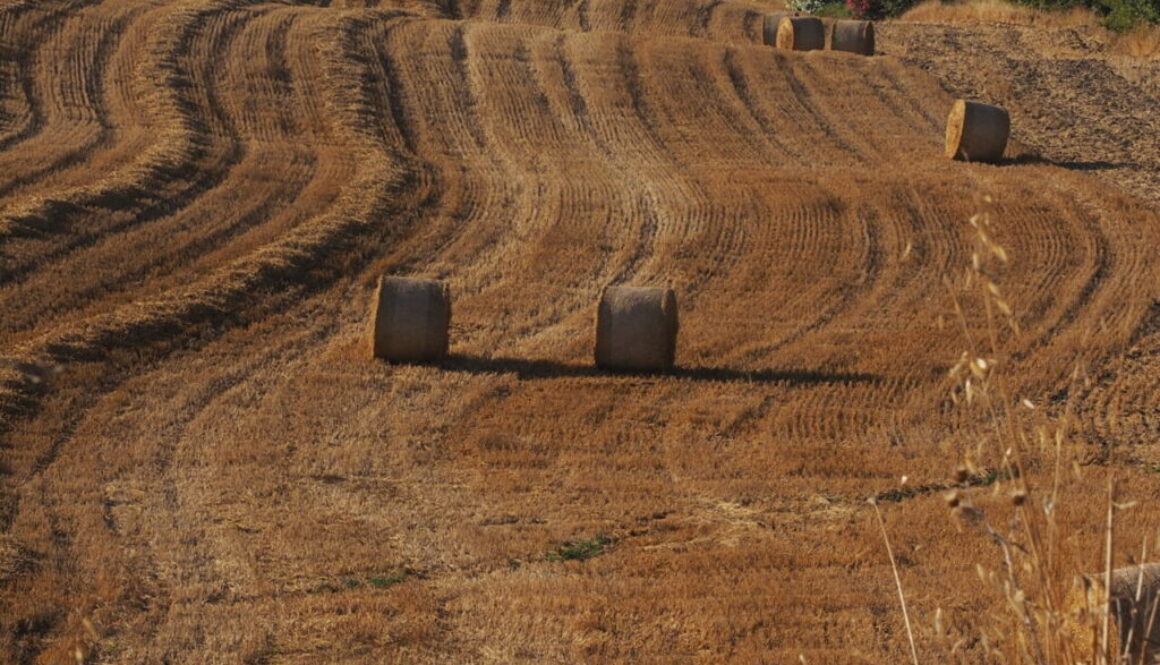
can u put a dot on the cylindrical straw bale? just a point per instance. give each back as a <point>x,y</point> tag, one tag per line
<point>1134,614</point>
<point>409,320</point>
<point>769,27</point>
<point>977,132</point>
<point>805,33</point>
<point>853,36</point>
<point>636,328</point>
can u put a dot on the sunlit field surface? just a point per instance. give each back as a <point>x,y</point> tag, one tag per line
<point>201,463</point>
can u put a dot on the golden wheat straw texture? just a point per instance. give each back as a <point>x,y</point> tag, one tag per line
<point>977,132</point>
<point>801,33</point>
<point>200,456</point>
<point>1132,602</point>
<point>852,36</point>
<point>636,328</point>
<point>769,26</point>
<point>410,319</point>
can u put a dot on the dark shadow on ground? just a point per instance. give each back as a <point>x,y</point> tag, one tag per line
<point>1074,166</point>
<point>547,369</point>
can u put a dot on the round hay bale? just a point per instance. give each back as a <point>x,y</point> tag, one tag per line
<point>1135,616</point>
<point>977,132</point>
<point>410,319</point>
<point>852,36</point>
<point>804,33</point>
<point>769,27</point>
<point>636,328</point>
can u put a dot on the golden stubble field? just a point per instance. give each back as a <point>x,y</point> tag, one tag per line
<point>200,464</point>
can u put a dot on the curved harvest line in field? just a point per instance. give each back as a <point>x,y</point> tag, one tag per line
<point>200,196</point>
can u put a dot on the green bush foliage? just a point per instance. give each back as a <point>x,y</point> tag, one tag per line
<point>1118,15</point>
<point>1122,15</point>
<point>806,6</point>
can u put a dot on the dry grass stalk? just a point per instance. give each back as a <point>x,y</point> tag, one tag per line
<point>1142,41</point>
<point>1047,622</point>
<point>897,582</point>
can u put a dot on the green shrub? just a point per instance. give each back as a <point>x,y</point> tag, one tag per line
<point>806,6</point>
<point>388,580</point>
<point>1122,15</point>
<point>895,7</point>
<point>835,10</point>
<point>581,550</point>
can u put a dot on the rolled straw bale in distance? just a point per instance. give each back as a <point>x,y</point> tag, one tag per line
<point>804,33</point>
<point>852,36</point>
<point>1132,604</point>
<point>636,328</point>
<point>409,320</point>
<point>769,27</point>
<point>977,132</point>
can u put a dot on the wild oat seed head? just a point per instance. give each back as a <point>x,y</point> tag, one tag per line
<point>953,499</point>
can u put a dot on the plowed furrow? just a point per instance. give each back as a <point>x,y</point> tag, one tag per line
<point>272,261</point>
<point>118,100</point>
<point>101,251</point>
<point>278,262</point>
<point>792,113</point>
<point>695,87</point>
<point>24,26</point>
<point>739,79</point>
<point>74,119</point>
<point>162,248</point>
<point>721,20</point>
<point>158,182</point>
<point>1051,89</point>
<point>807,81</point>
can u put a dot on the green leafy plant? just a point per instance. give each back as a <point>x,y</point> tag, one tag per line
<point>835,10</point>
<point>1123,15</point>
<point>807,6</point>
<point>580,550</point>
<point>388,580</point>
<point>382,581</point>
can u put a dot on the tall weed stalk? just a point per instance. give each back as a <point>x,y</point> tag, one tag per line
<point>1050,614</point>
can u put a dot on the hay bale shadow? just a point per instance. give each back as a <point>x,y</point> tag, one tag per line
<point>548,369</point>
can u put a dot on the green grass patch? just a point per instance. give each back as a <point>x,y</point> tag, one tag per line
<point>388,581</point>
<point>380,581</point>
<point>580,550</point>
<point>835,10</point>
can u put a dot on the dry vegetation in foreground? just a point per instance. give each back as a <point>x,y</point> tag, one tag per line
<point>1055,602</point>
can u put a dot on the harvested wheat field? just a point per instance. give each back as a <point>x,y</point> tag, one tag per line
<point>200,461</point>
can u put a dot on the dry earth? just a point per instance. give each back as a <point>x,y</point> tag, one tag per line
<point>202,465</point>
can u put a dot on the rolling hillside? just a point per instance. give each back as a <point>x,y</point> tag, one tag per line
<point>200,462</point>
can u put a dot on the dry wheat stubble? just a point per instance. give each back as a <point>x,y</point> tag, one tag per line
<point>280,490</point>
